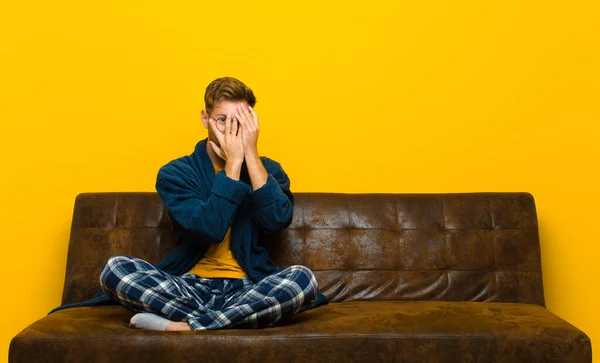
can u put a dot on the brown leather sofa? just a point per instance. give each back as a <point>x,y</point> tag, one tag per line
<point>410,278</point>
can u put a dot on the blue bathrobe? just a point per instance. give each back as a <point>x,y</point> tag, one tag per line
<point>203,206</point>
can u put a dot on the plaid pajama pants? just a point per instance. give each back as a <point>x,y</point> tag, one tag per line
<point>209,303</point>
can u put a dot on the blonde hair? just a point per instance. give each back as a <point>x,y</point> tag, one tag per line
<point>227,88</point>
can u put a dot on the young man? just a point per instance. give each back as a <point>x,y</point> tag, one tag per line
<point>222,199</point>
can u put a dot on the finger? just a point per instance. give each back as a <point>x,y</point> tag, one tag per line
<point>228,125</point>
<point>234,127</point>
<point>255,116</point>
<point>238,115</point>
<point>215,130</point>
<point>248,116</point>
<point>240,130</point>
<point>215,148</point>
<point>218,134</point>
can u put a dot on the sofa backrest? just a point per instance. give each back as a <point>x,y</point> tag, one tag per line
<point>456,246</point>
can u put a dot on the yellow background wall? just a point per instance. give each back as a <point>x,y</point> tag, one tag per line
<point>398,96</point>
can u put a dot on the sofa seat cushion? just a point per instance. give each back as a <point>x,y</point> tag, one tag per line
<point>357,331</point>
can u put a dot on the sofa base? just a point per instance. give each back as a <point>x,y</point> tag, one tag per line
<point>357,331</point>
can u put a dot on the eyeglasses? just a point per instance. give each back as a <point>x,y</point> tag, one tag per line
<point>220,122</point>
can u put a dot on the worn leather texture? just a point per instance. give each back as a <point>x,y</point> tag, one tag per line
<point>411,278</point>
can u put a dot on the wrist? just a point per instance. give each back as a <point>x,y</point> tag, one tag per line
<point>251,155</point>
<point>233,168</point>
<point>234,163</point>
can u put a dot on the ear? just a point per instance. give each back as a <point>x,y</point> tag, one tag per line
<point>204,117</point>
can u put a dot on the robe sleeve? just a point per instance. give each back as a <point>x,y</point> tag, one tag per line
<point>206,215</point>
<point>273,203</point>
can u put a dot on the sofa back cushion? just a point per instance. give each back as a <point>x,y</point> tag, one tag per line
<point>455,247</point>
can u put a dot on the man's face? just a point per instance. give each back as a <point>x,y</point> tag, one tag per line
<point>219,115</point>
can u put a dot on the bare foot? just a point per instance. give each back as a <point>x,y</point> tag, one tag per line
<point>177,326</point>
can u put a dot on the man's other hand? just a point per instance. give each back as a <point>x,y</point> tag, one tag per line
<point>248,120</point>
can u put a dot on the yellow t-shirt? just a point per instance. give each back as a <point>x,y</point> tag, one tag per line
<point>218,261</point>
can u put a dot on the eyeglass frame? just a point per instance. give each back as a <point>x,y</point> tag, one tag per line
<point>217,121</point>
